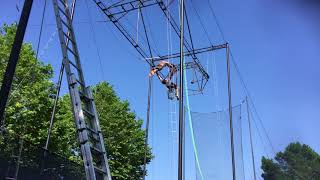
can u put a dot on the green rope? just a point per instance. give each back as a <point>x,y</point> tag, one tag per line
<point>190,124</point>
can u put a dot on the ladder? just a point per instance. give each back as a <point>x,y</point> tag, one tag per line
<point>173,120</point>
<point>173,135</point>
<point>14,164</point>
<point>84,111</point>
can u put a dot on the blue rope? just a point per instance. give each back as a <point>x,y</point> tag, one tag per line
<point>191,126</point>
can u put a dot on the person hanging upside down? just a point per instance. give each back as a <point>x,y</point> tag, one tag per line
<point>167,80</point>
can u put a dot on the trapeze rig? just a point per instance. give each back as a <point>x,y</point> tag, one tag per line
<point>84,111</point>
<point>118,10</point>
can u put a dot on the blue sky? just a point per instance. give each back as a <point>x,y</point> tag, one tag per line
<point>275,44</point>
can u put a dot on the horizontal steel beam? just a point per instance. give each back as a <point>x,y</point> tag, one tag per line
<point>123,8</point>
<point>188,53</point>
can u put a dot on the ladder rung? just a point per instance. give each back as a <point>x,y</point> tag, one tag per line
<point>69,30</point>
<point>10,178</point>
<point>86,112</point>
<point>74,65</point>
<point>94,137</point>
<point>99,170</point>
<point>66,25</point>
<point>72,51</point>
<point>68,37</point>
<point>84,96</point>
<point>80,82</point>
<point>96,151</point>
<point>92,131</point>
<point>63,3</point>
<point>62,11</point>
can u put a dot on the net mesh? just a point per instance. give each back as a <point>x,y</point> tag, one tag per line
<point>212,137</point>
<point>35,162</point>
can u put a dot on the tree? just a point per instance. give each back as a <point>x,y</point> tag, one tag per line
<point>123,136</point>
<point>28,108</point>
<point>298,161</point>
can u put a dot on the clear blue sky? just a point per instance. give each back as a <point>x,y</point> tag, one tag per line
<point>276,45</point>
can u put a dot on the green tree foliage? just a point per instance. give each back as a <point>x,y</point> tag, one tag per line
<point>298,161</point>
<point>122,132</point>
<point>29,105</point>
<point>123,136</point>
<point>29,109</point>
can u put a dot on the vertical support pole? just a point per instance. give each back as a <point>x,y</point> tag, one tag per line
<point>181,98</point>
<point>251,144</point>
<point>230,114</point>
<point>14,56</point>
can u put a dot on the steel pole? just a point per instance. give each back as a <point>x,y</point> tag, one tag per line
<point>230,113</point>
<point>14,56</point>
<point>251,145</point>
<point>181,99</point>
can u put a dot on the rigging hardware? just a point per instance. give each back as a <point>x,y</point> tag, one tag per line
<point>120,9</point>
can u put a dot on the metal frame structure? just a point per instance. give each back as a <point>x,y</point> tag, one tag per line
<point>83,107</point>
<point>120,9</point>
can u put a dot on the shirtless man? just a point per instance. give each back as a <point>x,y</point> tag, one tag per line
<point>167,80</point>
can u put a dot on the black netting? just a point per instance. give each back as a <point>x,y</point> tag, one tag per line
<point>212,138</point>
<point>35,162</point>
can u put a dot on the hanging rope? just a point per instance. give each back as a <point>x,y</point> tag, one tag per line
<point>145,32</point>
<point>94,39</point>
<point>41,27</point>
<point>147,128</point>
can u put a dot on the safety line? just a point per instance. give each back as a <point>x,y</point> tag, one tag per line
<point>41,27</point>
<point>191,126</point>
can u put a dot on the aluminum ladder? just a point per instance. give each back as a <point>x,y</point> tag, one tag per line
<point>84,111</point>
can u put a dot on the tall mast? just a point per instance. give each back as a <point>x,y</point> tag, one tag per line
<point>181,98</point>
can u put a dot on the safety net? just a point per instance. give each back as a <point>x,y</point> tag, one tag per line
<point>19,159</point>
<point>212,139</point>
